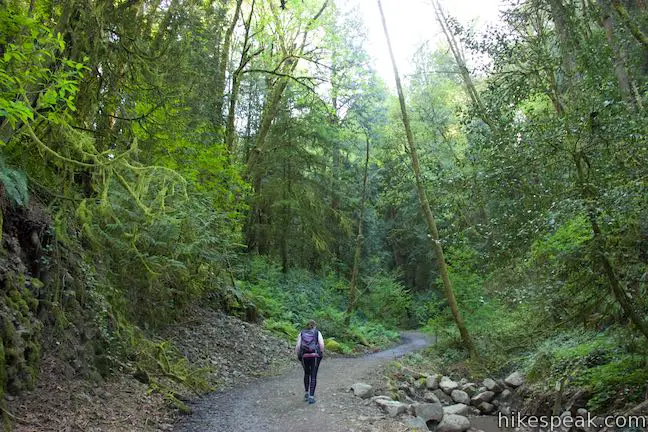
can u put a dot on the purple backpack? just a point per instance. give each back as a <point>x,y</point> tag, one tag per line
<point>309,342</point>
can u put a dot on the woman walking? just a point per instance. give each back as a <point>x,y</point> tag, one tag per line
<point>310,350</point>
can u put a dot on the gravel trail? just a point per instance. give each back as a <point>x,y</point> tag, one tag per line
<point>276,404</point>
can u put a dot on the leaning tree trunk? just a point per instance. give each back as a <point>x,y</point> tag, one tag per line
<point>429,218</point>
<point>353,285</point>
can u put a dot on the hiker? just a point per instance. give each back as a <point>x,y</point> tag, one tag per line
<point>310,350</point>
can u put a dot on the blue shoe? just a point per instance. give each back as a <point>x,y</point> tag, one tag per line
<point>306,397</point>
<point>311,400</point>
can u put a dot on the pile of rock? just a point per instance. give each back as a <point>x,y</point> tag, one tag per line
<point>441,404</point>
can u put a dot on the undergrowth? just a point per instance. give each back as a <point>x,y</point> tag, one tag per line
<point>288,301</point>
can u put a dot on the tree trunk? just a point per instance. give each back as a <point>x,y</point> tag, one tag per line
<point>471,91</point>
<point>353,290</point>
<point>429,218</point>
<point>270,109</point>
<point>599,247</point>
<point>559,18</point>
<point>230,130</point>
<point>619,57</point>
<point>222,67</point>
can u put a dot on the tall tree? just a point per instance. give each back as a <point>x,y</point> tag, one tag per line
<point>425,205</point>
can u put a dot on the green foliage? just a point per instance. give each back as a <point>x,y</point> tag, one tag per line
<point>14,184</point>
<point>288,301</point>
<point>614,373</point>
<point>562,243</point>
<point>284,328</point>
<point>26,68</point>
<point>386,300</point>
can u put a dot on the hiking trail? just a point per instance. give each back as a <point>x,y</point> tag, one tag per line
<point>276,404</point>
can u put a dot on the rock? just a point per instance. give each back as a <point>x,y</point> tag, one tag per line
<point>443,398</point>
<point>581,412</point>
<point>362,390</point>
<point>375,398</point>
<point>457,409</point>
<point>566,421</point>
<point>416,424</point>
<point>447,385</point>
<point>505,410</point>
<point>453,423</point>
<point>492,385</point>
<point>486,396</point>
<point>504,396</point>
<point>486,408</point>
<point>429,411</point>
<point>515,379</point>
<point>578,400</point>
<point>432,382</point>
<point>430,397</point>
<point>470,388</point>
<point>460,396</point>
<point>402,396</point>
<point>392,408</point>
<point>413,374</point>
<point>522,392</point>
<point>420,384</point>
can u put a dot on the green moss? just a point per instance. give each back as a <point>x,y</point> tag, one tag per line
<point>37,283</point>
<point>20,351</point>
<point>332,345</point>
<point>3,372</point>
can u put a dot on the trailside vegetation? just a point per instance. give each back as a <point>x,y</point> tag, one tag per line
<point>245,155</point>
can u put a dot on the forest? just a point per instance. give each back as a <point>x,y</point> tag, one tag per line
<point>246,156</point>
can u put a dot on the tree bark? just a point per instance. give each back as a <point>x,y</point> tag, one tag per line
<point>353,290</point>
<point>222,67</point>
<point>230,129</point>
<point>429,218</point>
<point>619,57</point>
<point>600,247</point>
<point>469,86</point>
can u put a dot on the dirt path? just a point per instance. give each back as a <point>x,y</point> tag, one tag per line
<point>276,404</point>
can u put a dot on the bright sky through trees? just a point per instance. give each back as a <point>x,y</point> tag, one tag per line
<point>411,23</point>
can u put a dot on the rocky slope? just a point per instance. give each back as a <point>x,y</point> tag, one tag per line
<point>65,401</point>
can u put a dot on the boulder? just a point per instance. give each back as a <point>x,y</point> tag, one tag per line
<point>486,396</point>
<point>443,398</point>
<point>492,385</point>
<point>515,379</point>
<point>416,424</point>
<point>391,407</point>
<point>428,411</point>
<point>432,382</point>
<point>447,385</point>
<point>504,396</point>
<point>453,423</point>
<point>460,396</point>
<point>430,397</point>
<point>362,390</point>
<point>470,388</point>
<point>458,409</point>
<point>485,407</point>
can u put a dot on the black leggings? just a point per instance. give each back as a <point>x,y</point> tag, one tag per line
<point>310,366</point>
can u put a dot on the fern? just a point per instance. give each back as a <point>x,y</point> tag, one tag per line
<point>14,183</point>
